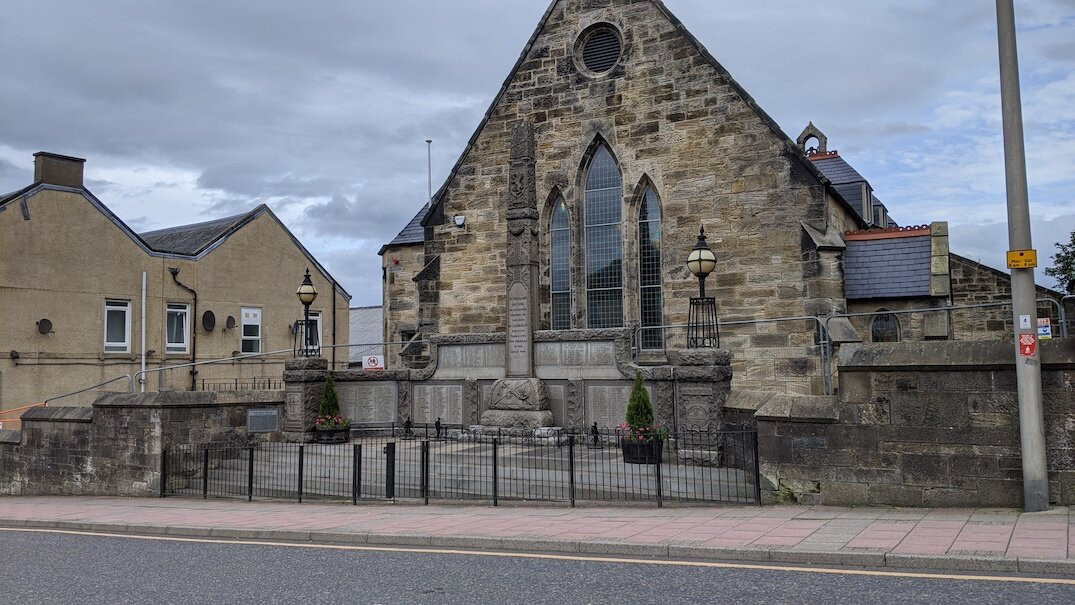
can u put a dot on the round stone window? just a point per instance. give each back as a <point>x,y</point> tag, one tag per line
<point>598,49</point>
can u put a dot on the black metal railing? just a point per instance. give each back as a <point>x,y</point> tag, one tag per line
<point>242,384</point>
<point>393,462</point>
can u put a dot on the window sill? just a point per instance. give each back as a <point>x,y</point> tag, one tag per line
<point>111,355</point>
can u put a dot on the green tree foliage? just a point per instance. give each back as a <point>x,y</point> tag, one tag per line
<point>639,408</point>
<point>1063,268</point>
<point>330,401</point>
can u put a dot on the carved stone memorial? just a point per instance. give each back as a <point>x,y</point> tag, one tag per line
<point>520,400</point>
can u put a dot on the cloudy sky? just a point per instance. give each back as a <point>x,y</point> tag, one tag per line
<point>193,110</point>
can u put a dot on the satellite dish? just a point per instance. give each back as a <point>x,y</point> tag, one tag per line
<point>44,326</point>
<point>229,323</point>
<point>208,321</point>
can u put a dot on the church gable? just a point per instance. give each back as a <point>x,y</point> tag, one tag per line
<point>625,76</point>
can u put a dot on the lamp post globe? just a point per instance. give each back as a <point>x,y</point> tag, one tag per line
<point>701,261</point>
<point>307,294</point>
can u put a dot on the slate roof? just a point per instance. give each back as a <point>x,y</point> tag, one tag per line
<point>887,268</point>
<point>192,239</point>
<point>412,233</point>
<point>366,327</point>
<point>185,240</point>
<point>837,170</point>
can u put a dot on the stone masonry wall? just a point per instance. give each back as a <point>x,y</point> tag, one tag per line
<point>920,424</point>
<point>675,122</point>
<point>973,283</point>
<point>401,264</point>
<point>114,447</point>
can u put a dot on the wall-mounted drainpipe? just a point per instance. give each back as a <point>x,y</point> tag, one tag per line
<point>193,330</point>
<point>142,380</point>
<point>334,325</point>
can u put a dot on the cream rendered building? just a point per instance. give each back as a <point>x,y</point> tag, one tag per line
<point>76,282</point>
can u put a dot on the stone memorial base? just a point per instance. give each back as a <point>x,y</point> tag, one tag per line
<point>518,403</point>
<point>517,419</point>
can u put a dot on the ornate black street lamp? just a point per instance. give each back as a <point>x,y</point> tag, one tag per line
<point>702,328</point>
<point>307,295</point>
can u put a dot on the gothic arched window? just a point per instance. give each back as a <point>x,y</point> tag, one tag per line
<point>649,269</point>
<point>559,266</point>
<point>604,246</point>
<point>885,328</point>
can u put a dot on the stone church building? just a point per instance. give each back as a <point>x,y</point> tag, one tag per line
<point>640,139</point>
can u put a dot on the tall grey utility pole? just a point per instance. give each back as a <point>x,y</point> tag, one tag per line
<point>429,168</point>
<point>1021,260</point>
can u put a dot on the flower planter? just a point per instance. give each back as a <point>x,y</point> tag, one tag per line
<point>641,452</point>
<point>340,435</point>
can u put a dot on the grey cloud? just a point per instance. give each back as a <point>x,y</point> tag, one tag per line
<point>978,241</point>
<point>10,173</point>
<point>351,268</point>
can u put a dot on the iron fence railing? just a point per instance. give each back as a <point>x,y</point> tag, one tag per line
<point>391,462</point>
<point>241,384</point>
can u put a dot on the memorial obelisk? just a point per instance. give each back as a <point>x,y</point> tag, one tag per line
<point>520,400</point>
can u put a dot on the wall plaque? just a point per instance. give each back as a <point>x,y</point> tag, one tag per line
<point>263,420</point>
<point>444,401</point>
<point>369,401</point>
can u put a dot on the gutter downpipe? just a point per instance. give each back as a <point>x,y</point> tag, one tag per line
<point>143,336</point>
<point>193,330</point>
<point>333,368</point>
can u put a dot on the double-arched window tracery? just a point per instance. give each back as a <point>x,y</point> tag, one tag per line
<point>602,230</point>
<point>603,211</point>
<point>651,306</point>
<point>559,266</point>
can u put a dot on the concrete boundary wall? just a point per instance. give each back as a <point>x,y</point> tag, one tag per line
<point>916,424</point>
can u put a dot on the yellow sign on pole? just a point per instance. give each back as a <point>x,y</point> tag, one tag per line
<point>1022,259</point>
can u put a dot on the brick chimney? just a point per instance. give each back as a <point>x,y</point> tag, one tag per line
<point>56,169</point>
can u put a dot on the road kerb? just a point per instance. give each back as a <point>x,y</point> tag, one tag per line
<point>187,531</point>
<point>623,549</point>
<point>829,557</point>
<point>1047,566</point>
<point>952,562</point>
<point>234,533</point>
<point>398,539</point>
<point>285,535</point>
<point>678,551</point>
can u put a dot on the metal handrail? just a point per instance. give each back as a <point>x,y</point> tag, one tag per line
<point>139,376</point>
<point>130,385</point>
<point>929,309</point>
<point>24,407</point>
<point>824,345</point>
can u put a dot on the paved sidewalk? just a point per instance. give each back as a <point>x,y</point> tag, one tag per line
<point>950,539</point>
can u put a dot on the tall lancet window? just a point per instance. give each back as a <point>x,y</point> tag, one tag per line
<point>559,266</point>
<point>604,246</point>
<point>649,270</point>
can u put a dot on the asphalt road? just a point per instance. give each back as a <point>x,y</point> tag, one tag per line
<point>38,567</point>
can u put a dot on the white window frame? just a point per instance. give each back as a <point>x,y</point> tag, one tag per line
<point>315,319</point>
<point>171,347</point>
<point>243,322</point>
<point>116,346</point>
